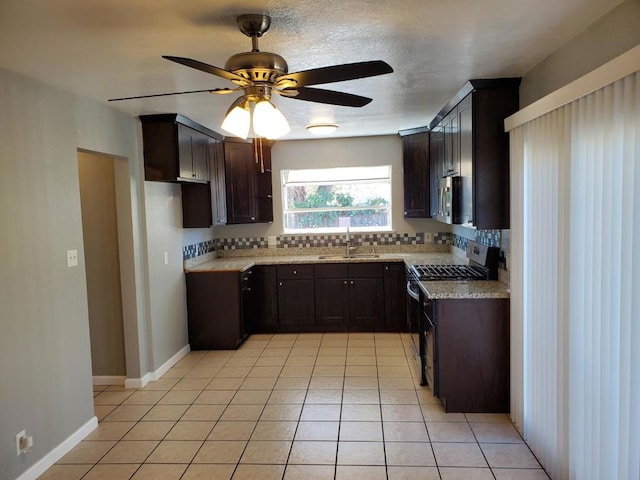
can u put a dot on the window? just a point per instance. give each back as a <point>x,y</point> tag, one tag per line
<point>331,199</point>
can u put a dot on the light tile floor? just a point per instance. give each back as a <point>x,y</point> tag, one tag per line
<point>294,407</point>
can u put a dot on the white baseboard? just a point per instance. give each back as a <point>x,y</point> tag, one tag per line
<point>108,379</point>
<point>137,382</point>
<point>164,368</point>
<point>155,375</point>
<point>42,465</point>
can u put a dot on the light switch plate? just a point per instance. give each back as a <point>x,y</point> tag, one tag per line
<point>165,258</point>
<point>428,238</point>
<point>272,240</point>
<point>72,258</point>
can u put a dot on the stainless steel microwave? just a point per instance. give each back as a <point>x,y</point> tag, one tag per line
<point>450,196</point>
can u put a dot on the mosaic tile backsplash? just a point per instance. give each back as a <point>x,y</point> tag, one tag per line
<point>492,238</point>
<point>310,241</point>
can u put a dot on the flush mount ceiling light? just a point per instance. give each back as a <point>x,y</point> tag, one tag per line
<point>260,74</point>
<point>322,128</point>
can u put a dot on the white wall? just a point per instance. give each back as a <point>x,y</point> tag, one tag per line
<point>338,152</point>
<point>608,37</point>
<point>167,291</point>
<point>45,379</point>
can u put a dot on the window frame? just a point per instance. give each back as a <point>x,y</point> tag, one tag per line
<point>388,180</point>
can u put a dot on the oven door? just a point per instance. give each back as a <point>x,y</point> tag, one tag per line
<point>414,320</point>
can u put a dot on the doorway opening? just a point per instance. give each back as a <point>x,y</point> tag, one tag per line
<point>102,264</point>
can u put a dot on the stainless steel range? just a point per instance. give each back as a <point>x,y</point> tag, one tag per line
<point>483,265</point>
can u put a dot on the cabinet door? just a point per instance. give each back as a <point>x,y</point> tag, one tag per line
<point>264,193</point>
<point>200,158</point>
<point>186,144</point>
<point>218,188</point>
<point>415,160</point>
<point>332,304</point>
<point>436,166</point>
<point>240,182</point>
<point>265,298</point>
<point>452,144</point>
<point>296,310</point>
<point>196,205</point>
<point>465,116</point>
<point>395,304</point>
<point>366,304</point>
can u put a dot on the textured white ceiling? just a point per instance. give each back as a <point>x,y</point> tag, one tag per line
<point>113,48</point>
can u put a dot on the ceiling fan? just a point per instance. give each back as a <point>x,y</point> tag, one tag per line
<point>261,74</point>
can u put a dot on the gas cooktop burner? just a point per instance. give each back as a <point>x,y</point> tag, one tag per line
<point>450,272</point>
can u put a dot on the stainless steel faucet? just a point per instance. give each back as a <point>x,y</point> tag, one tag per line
<point>347,242</point>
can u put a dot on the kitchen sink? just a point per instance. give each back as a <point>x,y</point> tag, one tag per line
<point>353,255</point>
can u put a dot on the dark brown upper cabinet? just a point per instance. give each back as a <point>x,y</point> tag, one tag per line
<point>476,148</point>
<point>416,172</point>
<point>176,149</point>
<point>248,182</point>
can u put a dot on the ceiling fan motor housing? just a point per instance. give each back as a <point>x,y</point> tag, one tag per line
<point>257,66</point>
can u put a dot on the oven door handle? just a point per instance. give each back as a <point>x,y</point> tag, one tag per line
<point>412,293</point>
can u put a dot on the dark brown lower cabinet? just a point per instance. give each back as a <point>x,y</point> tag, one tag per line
<point>349,297</point>
<point>217,305</point>
<point>295,298</point>
<point>395,298</point>
<point>225,307</point>
<point>472,354</point>
<point>265,313</point>
<point>332,297</point>
<point>366,297</point>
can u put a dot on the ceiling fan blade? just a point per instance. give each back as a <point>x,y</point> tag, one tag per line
<point>329,96</point>
<point>336,73</point>
<point>204,67</point>
<point>211,90</point>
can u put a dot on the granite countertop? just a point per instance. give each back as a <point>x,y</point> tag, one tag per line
<point>433,289</point>
<point>442,290</point>
<point>239,264</point>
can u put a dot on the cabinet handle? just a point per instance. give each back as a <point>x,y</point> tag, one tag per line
<point>345,282</point>
<point>295,272</point>
<point>253,219</point>
<point>280,283</point>
<point>351,282</point>
<point>248,289</point>
<point>386,268</point>
<point>269,196</point>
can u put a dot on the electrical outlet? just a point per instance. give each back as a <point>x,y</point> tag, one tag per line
<point>24,443</point>
<point>72,258</point>
<point>428,238</point>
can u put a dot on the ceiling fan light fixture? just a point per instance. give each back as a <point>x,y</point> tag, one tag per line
<point>322,128</point>
<point>268,121</point>
<point>237,121</point>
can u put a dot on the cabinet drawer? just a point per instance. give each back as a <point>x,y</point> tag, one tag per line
<point>365,270</point>
<point>332,270</point>
<point>294,271</point>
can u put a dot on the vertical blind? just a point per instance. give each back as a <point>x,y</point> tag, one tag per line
<point>575,182</point>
